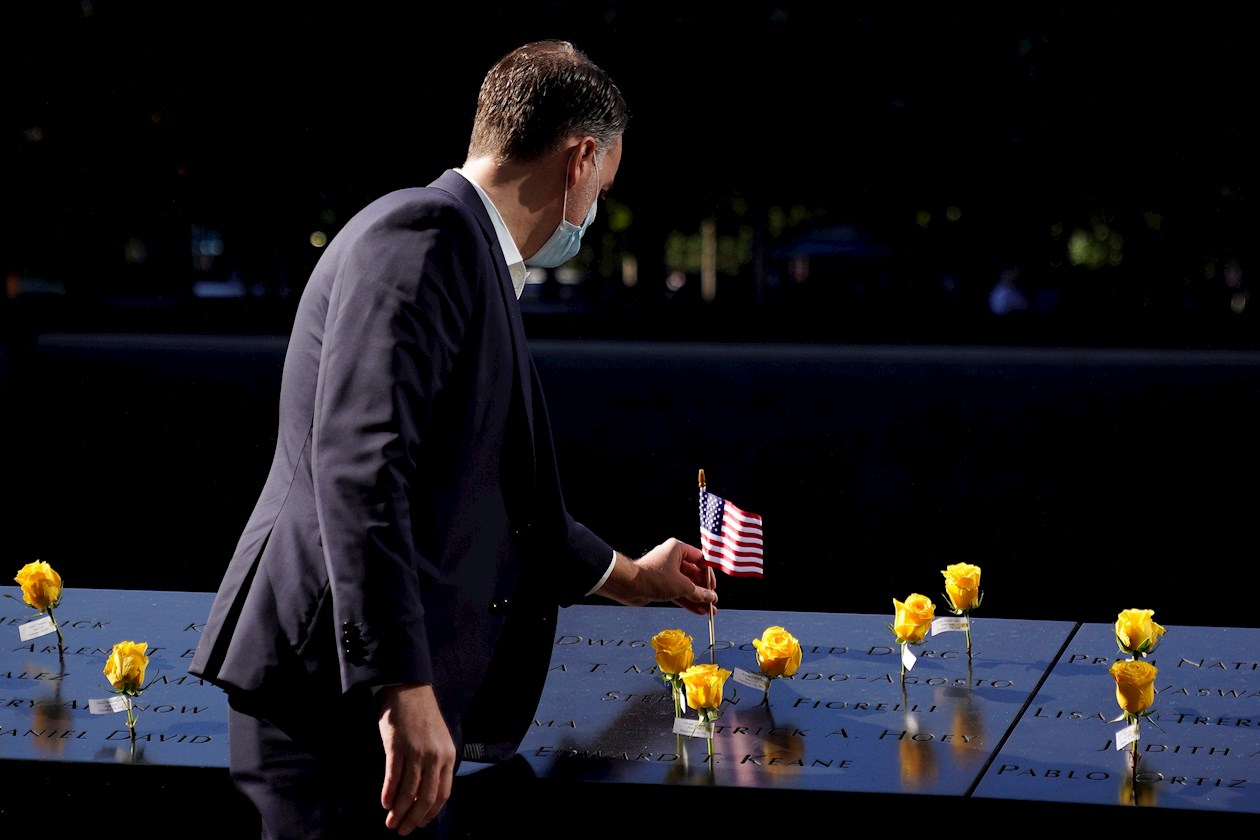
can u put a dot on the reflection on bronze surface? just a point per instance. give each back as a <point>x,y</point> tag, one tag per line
<point>132,753</point>
<point>1139,786</point>
<point>688,772</point>
<point>917,759</point>
<point>784,752</point>
<point>968,719</point>
<point>918,764</point>
<point>51,717</point>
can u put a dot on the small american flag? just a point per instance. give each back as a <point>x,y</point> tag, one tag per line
<point>729,537</point>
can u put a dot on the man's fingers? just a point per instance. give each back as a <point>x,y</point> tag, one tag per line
<point>399,796</point>
<point>696,606</point>
<point>435,789</point>
<point>423,807</point>
<point>419,757</point>
<point>391,782</point>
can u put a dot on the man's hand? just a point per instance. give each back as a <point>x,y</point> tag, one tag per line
<point>419,756</point>
<point>673,571</point>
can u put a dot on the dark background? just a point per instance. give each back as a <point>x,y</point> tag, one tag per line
<point>957,142</point>
<point>1093,453</point>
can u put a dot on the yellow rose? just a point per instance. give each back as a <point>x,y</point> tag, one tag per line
<point>1135,684</point>
<point>778,652</point>
<point>962,586</point>
<point>1136,633</point>
<point>704,683</point>
<point>125,668</point>
<point>41,585</point>
<point>673,651</point>
<point>913,618</point>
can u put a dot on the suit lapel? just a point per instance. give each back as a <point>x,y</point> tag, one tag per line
<point>459,187</point>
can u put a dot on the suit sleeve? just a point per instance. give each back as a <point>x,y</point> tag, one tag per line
<point>583,557</point>
<point>396,319</point>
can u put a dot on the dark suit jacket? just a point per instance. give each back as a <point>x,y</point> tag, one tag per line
<point>413,506</point>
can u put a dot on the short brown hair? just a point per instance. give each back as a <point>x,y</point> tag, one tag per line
<point>539,95</point>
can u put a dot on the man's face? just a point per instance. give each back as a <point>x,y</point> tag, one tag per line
<point>601,179</point>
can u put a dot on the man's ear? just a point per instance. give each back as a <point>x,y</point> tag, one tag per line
<point>583,156</point>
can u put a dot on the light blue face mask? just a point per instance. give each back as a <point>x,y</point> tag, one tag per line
<point>567,238</point>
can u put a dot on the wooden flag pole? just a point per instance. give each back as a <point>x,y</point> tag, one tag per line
<point>713,586</point>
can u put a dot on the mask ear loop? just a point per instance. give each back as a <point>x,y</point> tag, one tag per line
<point>564,204</point>
<point>595,200</point>
<point>595,158</point>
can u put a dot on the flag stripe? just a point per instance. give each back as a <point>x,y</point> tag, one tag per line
<point>730,538</point>
<point>717,546</point>
<point>731,564</point>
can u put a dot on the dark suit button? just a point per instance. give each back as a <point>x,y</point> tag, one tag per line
<point>352,639</point>
<point>498,604</point>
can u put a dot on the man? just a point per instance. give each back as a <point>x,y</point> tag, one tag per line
<point>390,607</point>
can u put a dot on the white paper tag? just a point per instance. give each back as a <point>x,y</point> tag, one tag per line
<point>33,629</point>
<point>758,681</point>
<point>1127,736</point>
<point>693,728</point>
<point>950,624</point>
<point>907,657</point>
<point>107,705</point>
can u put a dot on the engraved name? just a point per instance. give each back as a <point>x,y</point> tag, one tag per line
<point>1218,664</point>
<point>1061,714</point>
<point>161,737</point>
<point>160,708</point>
<point>1235,693</point>
<point>79,651</point>
<point>861,705</point>
<point>80,624</point>
<point>1201,720</point>
<point>759,760</point>
<point>1102,775</point>
<point>906,735</point>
